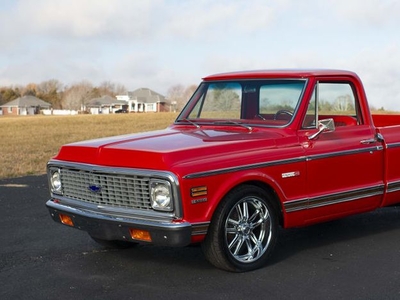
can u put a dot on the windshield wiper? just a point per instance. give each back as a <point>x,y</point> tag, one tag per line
<point>191,122</point>
<point>227,122</point>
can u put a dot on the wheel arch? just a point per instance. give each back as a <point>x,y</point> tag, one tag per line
<point>266,184</point>
<point>275,200</point>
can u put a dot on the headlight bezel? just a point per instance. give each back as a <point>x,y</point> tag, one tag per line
<point>55,181</point>
<point>161,195</point>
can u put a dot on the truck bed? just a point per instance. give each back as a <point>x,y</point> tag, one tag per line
<point>386,120</point>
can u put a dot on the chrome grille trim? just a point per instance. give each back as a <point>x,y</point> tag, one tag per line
<point>123,190</point>
<point>117,190</point>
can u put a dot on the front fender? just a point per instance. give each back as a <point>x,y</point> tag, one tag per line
<point>227,183</point>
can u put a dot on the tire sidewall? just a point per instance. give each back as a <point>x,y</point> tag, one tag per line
<point>229,202</point>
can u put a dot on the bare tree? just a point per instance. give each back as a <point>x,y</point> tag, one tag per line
<point>50,91</point>
<point>178,95</point>
<point>343,103</point>
<point>76,96</point>
<point>175,95</point>
<point>50,87</point>
<point>8,94</point>
<point>189,91</point>
<point>111,89</point>
<point>29,90</point>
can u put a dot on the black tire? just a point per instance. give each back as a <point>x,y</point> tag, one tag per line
<point>114,244</point>
<point>243,231</point>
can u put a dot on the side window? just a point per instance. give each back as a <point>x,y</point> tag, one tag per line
<point>332,100</point>
<point>336,99</point>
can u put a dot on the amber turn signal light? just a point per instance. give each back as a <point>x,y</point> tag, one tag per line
<point>139,234</point>
<point>198,191</point>
<point>67,220</point>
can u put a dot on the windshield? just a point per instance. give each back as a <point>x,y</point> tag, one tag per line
<point>253,102</point>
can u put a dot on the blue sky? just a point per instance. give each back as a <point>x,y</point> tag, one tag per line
<point>158,44</point>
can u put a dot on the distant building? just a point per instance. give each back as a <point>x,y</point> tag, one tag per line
<point>106,105</point>
<point>26,105</point>
<point>145,100</point>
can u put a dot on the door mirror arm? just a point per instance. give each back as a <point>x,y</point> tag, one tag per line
<point>325,125</point>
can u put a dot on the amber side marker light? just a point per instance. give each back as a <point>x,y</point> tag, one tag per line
<point>198,191</point>
<point>67,220</point>
<point>141,235</point>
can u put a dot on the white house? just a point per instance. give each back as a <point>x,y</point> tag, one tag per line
<point>106,105</point>
<point>145,100</point>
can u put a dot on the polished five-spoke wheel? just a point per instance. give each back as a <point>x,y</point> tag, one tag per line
<point>243,230</point>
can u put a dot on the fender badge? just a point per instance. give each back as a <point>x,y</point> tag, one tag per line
<point>290,174</point>
<point>195,201</point>
<point>94,188</point>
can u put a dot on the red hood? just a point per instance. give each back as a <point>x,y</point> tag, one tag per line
<point>176,147</point>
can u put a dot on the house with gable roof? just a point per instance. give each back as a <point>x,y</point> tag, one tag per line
<point>106,105</point>
<point>145,100</point>
<point>26,105</point>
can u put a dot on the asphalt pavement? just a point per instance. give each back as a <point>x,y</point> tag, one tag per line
<point>352,258</point>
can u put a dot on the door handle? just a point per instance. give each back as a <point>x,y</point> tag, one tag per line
<point>378,138</point>
<point>368,141</point>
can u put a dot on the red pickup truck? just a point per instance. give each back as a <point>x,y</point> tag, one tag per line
<point>250,151</point>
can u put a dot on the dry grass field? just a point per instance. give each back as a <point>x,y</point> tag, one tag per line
<point>28,142</point>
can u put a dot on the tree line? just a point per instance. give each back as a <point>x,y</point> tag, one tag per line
<point>61,96</point>
<point>76,95</point>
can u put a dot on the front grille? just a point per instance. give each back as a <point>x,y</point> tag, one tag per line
<point>116,190</point>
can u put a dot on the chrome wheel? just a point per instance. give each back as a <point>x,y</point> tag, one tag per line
<point>243,231</point>
<point>248,230</point>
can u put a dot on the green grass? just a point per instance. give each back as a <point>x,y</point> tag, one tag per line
<point>28,142</point>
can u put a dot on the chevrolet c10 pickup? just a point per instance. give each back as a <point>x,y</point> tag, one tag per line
<point>250,152</point>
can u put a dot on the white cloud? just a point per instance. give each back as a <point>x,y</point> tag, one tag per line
<point>380,72</point>
<point>160,43</point>
<point>81,19</point>
<point>212,20</point>
<point>367,12</point>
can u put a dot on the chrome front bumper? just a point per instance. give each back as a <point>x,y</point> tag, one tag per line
<point>108,227</point>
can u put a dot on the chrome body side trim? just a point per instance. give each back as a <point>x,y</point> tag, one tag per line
<point>352,195</point>
<point>281,162</point>
<point>342,153</point>
<point>296,205</point>
<point>393,145</point>
<point>244,167</point>
<point>393,187</point>
<point>200,228</point>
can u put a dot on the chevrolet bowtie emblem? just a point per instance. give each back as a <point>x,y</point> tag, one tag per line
<point>94,188</point>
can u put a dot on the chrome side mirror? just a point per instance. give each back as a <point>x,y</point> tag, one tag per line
<point>325,125</point>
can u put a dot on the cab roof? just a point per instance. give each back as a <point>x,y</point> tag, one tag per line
<point>279,73</point>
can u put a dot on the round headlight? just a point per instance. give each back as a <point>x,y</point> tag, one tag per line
<point>56,182</point>
<point>160,192</point>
